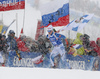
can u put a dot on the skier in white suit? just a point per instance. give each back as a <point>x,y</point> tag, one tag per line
<point>56,40</point>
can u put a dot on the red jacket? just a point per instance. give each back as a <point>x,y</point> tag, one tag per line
<point>22,47</point>
<point>98,50</point>
<point>97,47</point>
<point>93,44</point>
<point>18,39</point>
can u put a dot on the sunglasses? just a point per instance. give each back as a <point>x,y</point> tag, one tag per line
<point>49,30</point>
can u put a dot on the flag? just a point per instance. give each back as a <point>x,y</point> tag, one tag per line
<point>21,31</point>
<point>1,26</point>
<point>4,29</point>
<point>6,5</point>
<point>38,59</point>
<point>78,24</point>
<point>77,46</point>
<point>55,12</point>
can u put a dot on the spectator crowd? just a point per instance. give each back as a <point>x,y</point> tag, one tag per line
<point>43,45</point>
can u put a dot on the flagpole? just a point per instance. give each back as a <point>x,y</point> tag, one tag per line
<point>69,36</point>
<point>83,15</point>
<point>1,23</point>
<point>23,21</point>
<point>45,30</point>
<point>69,22</point>
<point>84,27</point>
<point>2,18</point>
<point>17,24</point>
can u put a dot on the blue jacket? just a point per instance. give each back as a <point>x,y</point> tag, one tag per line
<point>12,43</point>
<point>55,38</point>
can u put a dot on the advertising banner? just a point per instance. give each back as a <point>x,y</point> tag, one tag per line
<point>77,62</point>
<point>6,5</point>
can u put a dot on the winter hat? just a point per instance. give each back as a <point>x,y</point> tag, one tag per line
<point>11,31</point>
<point>0,36</point>
<point>4,36</point>
<point>49,28</point>
<point>86,36</point>
<point>22,37</point>
<point>40,39</point>
<point>92,43</point>
<point>97,40</point>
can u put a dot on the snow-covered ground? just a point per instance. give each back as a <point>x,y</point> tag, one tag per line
<point>39,73</point>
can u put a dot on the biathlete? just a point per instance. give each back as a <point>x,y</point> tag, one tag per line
<point>59,49</point>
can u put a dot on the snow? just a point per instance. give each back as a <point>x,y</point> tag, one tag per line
<point>39,73</point>
<point>31,18</point>
<point>96,1</point>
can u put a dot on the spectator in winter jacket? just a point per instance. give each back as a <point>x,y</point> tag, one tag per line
<point>93,51</point>
<point>97,49</point>
<point>2,44</point>
<point>3,47</point>
<point>79,40</point>
<point>11,41</point>
<point>12,46</point>
<point>43,48</point>
<point>21,44</point>
<point>86,41</point>
<point>34,47</point>
<point>89,46</point>
<point>29,42</point>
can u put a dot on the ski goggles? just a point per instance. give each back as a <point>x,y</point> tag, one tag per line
<point>49,30</point>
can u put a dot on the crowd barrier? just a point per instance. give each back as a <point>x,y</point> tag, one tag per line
<point>83,62</point>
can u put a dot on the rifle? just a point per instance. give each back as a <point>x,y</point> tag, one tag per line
<point>19,56</point>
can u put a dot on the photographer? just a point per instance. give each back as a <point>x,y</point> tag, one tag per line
<point>89,46</point>
<point>44,45</point>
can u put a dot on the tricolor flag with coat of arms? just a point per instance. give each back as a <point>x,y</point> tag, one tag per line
<point>55,12</point>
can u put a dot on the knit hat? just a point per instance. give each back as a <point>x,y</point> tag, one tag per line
<point>49,28</point>
<point>22,37</point>
<point>11,31</point>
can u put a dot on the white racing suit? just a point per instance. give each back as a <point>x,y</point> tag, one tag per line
<point>58,48</point>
